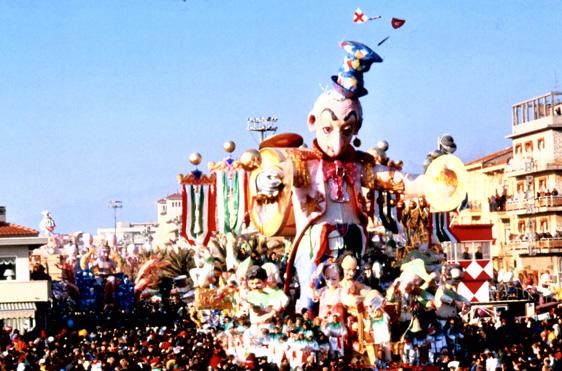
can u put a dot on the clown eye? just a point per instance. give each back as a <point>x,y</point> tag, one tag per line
<point>347,131</point>
<point>327,130</point>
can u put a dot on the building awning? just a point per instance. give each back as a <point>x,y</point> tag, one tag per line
<point>472,232</point>
<point>24,309</point>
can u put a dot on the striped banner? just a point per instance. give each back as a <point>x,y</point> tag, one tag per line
<point>198,213</point>
<point>231,200</point>
<point>385,211</point>
<point>440,228</point>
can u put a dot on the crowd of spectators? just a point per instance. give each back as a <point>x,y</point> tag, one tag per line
<point>506,343</point>
<point>169,334</point>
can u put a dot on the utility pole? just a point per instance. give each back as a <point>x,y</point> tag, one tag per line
<point>115,204</point>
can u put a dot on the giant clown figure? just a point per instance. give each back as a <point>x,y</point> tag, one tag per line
<point>324,182</point>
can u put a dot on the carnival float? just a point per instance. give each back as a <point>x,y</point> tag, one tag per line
<point>297,251</point>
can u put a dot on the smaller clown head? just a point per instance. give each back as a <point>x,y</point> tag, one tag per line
<point>349,265</point>
<point>332,274</point>
<point>104,252</point>
<point>256,278</point>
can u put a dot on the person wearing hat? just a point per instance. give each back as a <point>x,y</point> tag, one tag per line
<point>337,335</point>
<point>378,327</point>
<point>262,305</point>
<point>447,301</point>
<point>329,207</point>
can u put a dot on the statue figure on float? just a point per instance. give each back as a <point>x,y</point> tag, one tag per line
<point>325,181</point>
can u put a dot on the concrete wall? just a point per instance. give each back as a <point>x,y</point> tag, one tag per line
<point>14,291</point>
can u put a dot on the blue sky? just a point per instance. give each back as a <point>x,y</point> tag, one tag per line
<point>106,99</point>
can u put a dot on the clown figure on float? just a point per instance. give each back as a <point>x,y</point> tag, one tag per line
<point>323,184</point>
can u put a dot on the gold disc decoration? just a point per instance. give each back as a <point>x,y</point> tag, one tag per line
<point>445,183</point>
<point>273,217</point>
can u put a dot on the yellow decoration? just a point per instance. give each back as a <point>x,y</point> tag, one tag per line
<point>445,181</point>
<point>229,146</point>
<point>195,158</point>
<point>250,159</point>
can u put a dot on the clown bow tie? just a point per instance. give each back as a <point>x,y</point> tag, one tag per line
<point>338,171</point>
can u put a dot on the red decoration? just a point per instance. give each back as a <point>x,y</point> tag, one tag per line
<point>397,22</point>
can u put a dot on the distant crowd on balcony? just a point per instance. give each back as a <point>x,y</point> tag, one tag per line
<point>523,236</point>
<point>497,202</point>
<point>547,193</point>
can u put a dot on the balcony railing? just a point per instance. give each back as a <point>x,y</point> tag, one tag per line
<point>546,105</point>
<point>539,202</point>
<point>542,246</point>
<point>525,166</point>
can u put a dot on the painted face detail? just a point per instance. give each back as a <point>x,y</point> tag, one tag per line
<point>334,121</point>
<point>332,277</point>
<point>334,133</point>
<point>255,284</point>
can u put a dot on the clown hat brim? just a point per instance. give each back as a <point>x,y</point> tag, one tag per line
<point>283,140</point>
<point>348,93</point>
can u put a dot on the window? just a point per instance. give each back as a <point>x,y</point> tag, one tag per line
<point>518,149</point>
<point>540,144</point>
<point>520,187</point>
<point>543,223</point>
<point>7,268</point>
<point>528,147</point>
<point>542,184</point>
<point>521,227</point>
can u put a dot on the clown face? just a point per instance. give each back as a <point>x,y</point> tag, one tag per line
<point>334,122</point>
<point>332,276</point>
<point>349,265</point>
<point>256,284</point>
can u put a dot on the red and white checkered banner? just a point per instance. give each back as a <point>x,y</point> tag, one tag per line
<point>475,291</point>
<point>477,270</point>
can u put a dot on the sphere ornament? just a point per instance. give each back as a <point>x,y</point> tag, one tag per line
<point>195,158</point>
<point>250,159</point>
<point>229,146</point>
<point>382,144</point>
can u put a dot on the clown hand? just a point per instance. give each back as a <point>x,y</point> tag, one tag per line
<point>269,183</point>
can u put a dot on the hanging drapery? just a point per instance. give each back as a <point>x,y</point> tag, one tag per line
<point>198,207</point>
<point>231,185</point>
<point>440,228</point>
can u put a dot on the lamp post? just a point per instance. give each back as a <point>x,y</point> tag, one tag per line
<point>115,204</point>
<point>262,125</point>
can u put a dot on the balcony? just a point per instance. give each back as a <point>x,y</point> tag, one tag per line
<point>527,166</point>
<point>538,205</point>
<point>542,246</point>
<point>537,114</point>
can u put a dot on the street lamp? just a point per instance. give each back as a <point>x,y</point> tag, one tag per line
<point>262,125</point>
<point>115,204</point>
